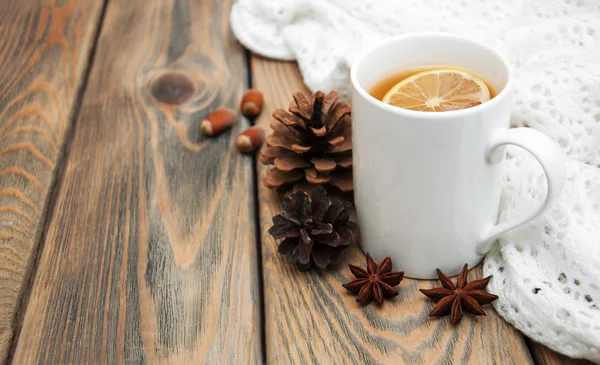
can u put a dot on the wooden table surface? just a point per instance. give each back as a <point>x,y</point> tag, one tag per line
<point>128,237</point>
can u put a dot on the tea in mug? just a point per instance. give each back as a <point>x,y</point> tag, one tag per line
<point>433,89</point>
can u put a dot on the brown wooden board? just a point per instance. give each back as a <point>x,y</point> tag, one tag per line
<point>311,319</point>
<point>150,251</point>
<point>44,52</point>
<point>543,355</point>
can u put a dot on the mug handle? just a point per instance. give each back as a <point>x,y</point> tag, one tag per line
<point>553,162</point>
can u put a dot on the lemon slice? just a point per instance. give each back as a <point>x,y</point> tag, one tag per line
<point>438,90</point>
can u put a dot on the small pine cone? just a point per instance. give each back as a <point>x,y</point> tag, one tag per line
<point>312,143</point>
<point>314,230</point>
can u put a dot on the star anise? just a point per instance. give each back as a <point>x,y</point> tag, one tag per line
<point>376,282</point>
<point>455,299</point>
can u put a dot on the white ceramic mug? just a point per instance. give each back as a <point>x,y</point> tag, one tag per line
<point>427,185</point>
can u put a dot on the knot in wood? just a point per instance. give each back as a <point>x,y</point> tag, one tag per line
<point>173,88</point>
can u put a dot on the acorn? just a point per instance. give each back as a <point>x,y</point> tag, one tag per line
<point>250,139</point>
<point>218,121</point>
<point>252,103</point>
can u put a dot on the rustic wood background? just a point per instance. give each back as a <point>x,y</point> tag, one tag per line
<point>44,56</point>
<point>128,237</point>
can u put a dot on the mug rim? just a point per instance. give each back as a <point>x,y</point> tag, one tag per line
<point>431,115</point>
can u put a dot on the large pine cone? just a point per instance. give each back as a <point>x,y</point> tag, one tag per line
<point>315,230</point>
<point>312,143</point>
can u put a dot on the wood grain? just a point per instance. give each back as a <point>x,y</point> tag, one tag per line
<point>150,253</point>
<point>44,51</point>
<point>544,356</point>
<point>311,319</point>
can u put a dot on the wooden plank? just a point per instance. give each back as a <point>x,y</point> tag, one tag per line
<point>45,47</point>
<point>544,356</point>
<point>310,318</point>
<point>150,253</point>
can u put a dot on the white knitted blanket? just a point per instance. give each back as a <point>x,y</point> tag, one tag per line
<point>547,274</point>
